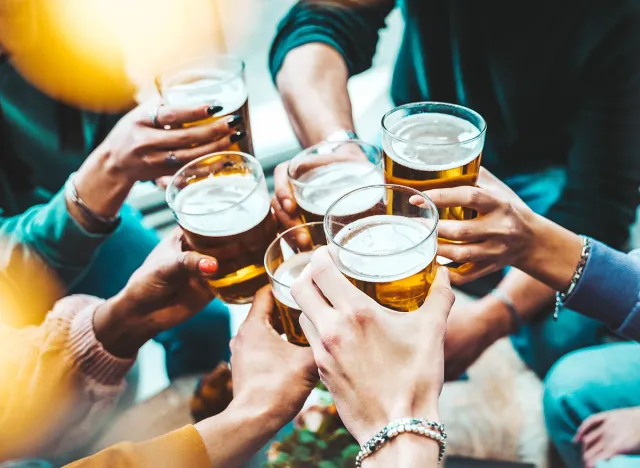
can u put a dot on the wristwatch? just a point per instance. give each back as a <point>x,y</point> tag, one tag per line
<point>342,135</point>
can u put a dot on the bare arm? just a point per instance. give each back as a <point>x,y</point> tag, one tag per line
<point>313,84</point>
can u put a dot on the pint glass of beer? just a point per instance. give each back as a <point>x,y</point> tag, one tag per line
<point>323,173</point>
<point>429,145</point>
<point>215,80</point>
<point>285,259</point>
<point>385,245</point>
<point>223,206</point>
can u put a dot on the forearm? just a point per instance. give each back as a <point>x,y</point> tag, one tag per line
<point>236,434</point>
<point>61,370</point>
<point>313,84</point>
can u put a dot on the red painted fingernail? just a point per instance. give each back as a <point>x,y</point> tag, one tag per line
<point>208,266</point>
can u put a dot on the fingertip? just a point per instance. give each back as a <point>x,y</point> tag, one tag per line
<point>288,205</point>
<point>416,200</point>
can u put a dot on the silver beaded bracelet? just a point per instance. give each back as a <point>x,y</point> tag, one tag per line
<point>422,427</point>
<point>561,297</point>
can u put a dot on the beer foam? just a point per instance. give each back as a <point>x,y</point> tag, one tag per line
<point>436,142</point>
<point>325,184</point>
<point>213,87</point>
<point>223,205</point>
<point>379,238</point>
<point>285,275</point>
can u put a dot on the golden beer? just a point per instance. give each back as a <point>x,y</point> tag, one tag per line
<point>433,145</point>
<point>285,259</point>
<point>323,173</point>
<point>222,204</point>
<point>399,281</point>
<point>387,250</point>
<point>214,80</point>
<point>289,311</point>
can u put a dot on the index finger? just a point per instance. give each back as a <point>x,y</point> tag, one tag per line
<point>466,196</point>
<point>172,116</point>
<point>588,425</point>
<point>282,188</point>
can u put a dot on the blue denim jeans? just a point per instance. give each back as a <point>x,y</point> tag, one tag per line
<point>544,341</point>
<point>197,345</point>
<point>587,382</point>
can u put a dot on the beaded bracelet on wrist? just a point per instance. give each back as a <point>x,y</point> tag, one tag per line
<point>422,427</point>
<point>561,297</point>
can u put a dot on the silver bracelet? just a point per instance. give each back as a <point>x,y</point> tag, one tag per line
<point>422,427</point>
<point>103,223</point>
<point>561,297</point>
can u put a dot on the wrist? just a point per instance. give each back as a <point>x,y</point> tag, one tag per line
<point>553,253</point>
<point>259,412</point>
<point>425,408</point>
<point>116,327</point>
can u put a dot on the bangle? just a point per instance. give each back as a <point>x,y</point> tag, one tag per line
<point>422,427</point>
<point>99,222</point>
<point>515,317</point>
<point>561,297</point>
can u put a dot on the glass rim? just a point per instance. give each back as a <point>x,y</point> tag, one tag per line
<point>180,172</point>
<point>310,149</point>
<point>482,129</point>
<point>273,243</point>
<point>432,207</point>
<point>184,65</point>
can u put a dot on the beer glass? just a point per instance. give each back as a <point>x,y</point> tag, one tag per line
<point>285,259</point>
<point>386,249</point>
<point>429,145</point>
<point>223,206</point>
<point>323,173</point>
<point>215,80</point>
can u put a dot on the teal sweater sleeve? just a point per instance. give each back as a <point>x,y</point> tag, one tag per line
<point>50,232</point>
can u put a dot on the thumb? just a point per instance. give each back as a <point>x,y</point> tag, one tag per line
<point>441,296</point>
<point>263,304</point>
<point>195,265</point>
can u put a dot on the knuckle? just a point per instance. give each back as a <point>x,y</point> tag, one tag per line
<point>474,196</point>
<point>169,117</point>
<point>361,315</point>
<point>331,340</point>
<point>462,254</point>
<point>446,294</point>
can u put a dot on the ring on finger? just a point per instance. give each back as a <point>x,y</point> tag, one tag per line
<point>172,160</point>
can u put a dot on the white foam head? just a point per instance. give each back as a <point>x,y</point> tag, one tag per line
<point>223,205</point>
<point>213,87</point>
<point>323,185</point>
<point>286,273</point>
<point>387,248</point>
<point>433,142</point>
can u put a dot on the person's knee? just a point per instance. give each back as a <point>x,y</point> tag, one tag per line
<point>567,391</point>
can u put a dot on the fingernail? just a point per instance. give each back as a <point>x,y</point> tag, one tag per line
<point>235,121</point>
<point>238,136</point>
<point>208,266</point>
<point>287,205</point>
<point>212,110</point>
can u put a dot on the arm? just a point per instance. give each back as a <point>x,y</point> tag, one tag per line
<point>318,46</point>
<point>57,382</point>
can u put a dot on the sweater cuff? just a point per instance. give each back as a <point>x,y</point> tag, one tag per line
<point>608,289</point>
<point>87,353</point>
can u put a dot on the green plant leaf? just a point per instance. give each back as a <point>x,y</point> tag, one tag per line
<point>327,464</point>
<point>306,437</point>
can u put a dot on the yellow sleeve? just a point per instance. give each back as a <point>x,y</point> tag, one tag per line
<point>178,449</point>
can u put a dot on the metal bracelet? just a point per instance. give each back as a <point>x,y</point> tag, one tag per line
<point>104,222</point>
<point>422,427</point>
<point>561,297</point>
<point>506,300</point>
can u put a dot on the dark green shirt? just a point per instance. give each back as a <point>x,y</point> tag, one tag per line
<point>558,82</point>
<point>42,142</point>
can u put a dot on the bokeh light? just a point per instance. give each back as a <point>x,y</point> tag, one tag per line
<point>94,54</point>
